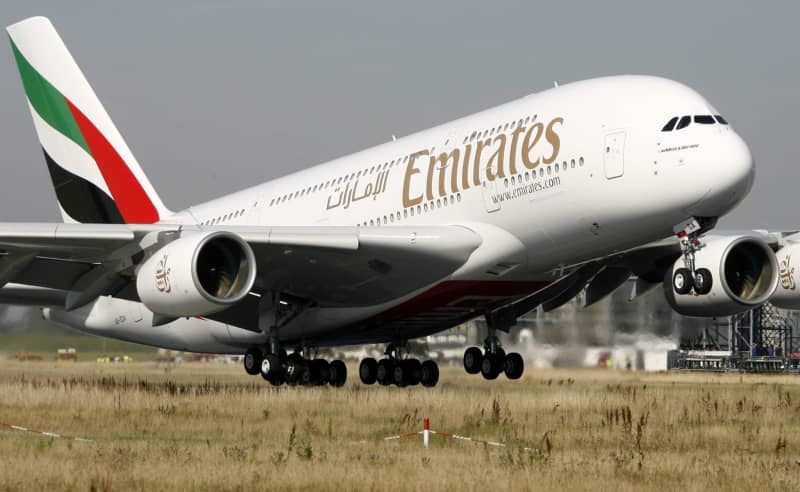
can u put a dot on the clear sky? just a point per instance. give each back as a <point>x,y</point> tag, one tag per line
<point>215,96</point>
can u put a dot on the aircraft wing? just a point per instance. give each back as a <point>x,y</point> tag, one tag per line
<point>329,266</point>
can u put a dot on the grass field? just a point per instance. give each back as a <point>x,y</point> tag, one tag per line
<point>210,427</point>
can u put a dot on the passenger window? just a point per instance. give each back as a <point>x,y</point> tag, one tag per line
<point>580,161</point>
<point>670,125</point>
<point>684,122</point>
<point>704,119</point>
<point>720,119</point>
<point>556,167</point>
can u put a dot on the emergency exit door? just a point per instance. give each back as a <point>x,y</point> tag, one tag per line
<point>615,154</point>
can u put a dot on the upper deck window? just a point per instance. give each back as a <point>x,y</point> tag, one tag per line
<point>684,122</point>
<point>704,119</point>
<point>670,125</point>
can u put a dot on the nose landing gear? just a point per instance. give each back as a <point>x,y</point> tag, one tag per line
<point>688,278</point>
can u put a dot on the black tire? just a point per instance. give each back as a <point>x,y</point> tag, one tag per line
<point>400,374</point>
<point>338,374</point>
<point>682,282</point>
<point>367,370</point>
<point>515,366</point>
<point>429,374</point>
<point>295,366</point>
<point>275,380</point>
<point>703,281</point>
<point>306,375</point>
<point>384,374</point>
<point>492,366</point>
<point>252,361</point>
<point>271,366</point>
<point>321,371</point>
<point>473,358</point>
<point>413,368</point>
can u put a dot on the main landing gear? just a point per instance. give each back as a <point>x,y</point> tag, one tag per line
<point>688,277</point>
<point>493,361</point>
<point>395,369</point>
<point>276,367</point>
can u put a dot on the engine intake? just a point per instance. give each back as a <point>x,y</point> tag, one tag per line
<point>197,274</point>
<point>744,273</point>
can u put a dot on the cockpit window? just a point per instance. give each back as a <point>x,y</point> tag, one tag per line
<point>720,119</point>
<point>670,125</point>
<point>684,122</point>
<point>704,119</point>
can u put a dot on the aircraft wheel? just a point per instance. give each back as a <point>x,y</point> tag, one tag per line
<point>295,366</point>
<point>337,374</point>
<point>367,370</point>
<point>252,361</point>
<point>429,374</point>
<point>385,372</point>
<point>702,281</point>
<point>492,366</point>
<point>682,281</point>
<point>413,369</point>
<point>515,366</point>
<point>321,371</point>
<point>473,358</point>
<point>271,366</point>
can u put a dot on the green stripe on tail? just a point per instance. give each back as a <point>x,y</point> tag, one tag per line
<point>48,102</point>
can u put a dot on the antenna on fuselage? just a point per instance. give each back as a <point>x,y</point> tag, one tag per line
<point>555,84</point>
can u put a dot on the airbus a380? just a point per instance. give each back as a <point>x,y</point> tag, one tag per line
<point>527,204</point>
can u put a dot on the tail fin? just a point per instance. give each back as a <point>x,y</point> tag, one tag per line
<point>96,177</point>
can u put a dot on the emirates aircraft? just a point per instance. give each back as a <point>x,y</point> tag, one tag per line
<point>574,189</point>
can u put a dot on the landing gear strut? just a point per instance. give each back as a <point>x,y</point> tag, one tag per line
<point>689,277</point>
<point>395,368</point>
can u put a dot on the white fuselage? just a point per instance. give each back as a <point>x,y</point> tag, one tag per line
<point>551,180</point>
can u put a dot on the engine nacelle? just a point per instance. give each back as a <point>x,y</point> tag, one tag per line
<point>787,295</point>
<point>744,273</point>
<point>197,274</point>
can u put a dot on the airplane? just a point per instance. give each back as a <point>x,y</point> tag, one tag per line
<point>571,190</point>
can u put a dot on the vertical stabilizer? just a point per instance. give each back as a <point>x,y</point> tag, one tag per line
<point>96,177</point>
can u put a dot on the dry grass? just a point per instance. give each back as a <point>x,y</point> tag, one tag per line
<point>213,428</point>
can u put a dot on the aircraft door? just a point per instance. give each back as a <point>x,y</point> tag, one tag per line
<point>615,154</point>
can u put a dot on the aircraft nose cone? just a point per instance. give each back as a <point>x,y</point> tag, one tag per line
<point>731,173</point>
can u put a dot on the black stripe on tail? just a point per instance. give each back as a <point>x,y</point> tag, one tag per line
<point>80,199</point>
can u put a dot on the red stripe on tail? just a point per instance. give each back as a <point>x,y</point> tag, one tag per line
<point>131,199</point>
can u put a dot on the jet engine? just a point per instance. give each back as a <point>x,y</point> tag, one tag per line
<point>787,295</point>
<point>197,274</point>
<point>732,274</point>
